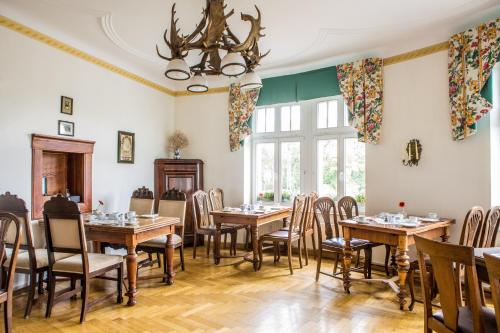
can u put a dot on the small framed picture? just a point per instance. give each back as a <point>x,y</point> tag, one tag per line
<point>126,147</point>
<point>66,105</point>
<point>66,128</point>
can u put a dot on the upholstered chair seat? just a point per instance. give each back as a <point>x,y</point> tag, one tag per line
<point>282,234</point>
<point>465,322</point>
<point>160,242</point>
<point>97,261</point>
<point>42,260</point>
<point>339,242</point>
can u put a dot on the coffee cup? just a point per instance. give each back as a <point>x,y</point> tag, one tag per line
<point>413,219</point>
<point>361,218</point>
<point>131,215</point>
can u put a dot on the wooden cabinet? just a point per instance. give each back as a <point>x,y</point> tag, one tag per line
<point>184,175</point>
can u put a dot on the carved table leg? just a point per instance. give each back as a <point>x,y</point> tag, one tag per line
<point>131,275</point>
<point>255,247</point>
<point>446,235</point>
<point>170,260</point>
<point>217,243</point>
<point>347,258</point>
<point>403,261</point>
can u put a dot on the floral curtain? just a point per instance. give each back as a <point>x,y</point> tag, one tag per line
<point>361,84</point>
<point>471,57</point>
<point>241,107</point>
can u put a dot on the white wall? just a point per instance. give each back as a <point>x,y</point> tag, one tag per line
<point>33,76</point>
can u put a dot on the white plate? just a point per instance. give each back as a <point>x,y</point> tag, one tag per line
<point>428,219</point>
<point>148,216</point>
<point>409,225</point>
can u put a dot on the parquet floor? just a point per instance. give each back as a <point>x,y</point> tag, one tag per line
<point>233,298</point>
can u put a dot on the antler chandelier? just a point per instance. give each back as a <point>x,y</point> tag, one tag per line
<point>212,37</point>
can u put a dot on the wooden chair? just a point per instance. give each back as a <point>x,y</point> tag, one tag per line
<point>308,229</point>
<point>493,266</point>
<point>142,201</point>
<point>171,204</point>
<point>31,260</point>
<point>454,315</point>
<point>203,224</point>
<point>10,236</point>
<point>65,233</point>
<point>216,199</point>
<point>348,208</point>
<point>490,228</point>
<point>469,237</point>
<point>324,212</point>
<point>293,234</point>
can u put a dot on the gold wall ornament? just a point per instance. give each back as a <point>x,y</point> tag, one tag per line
<point>213,37</point>
<point>412,153</point>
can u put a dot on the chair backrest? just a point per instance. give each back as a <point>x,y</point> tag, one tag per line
<point>348,208</point>
<point>472,227</point>
<point>447,257</point>
<point>493,266</point>
<point>10,223</point>
<point>142,201</point>
<point>173,204</point>
<point>64,229</point>
<point>14,205</point>
<point>216,197</point>
<point>490,228</point>
<point>201,210</point>
<point>299,214</point>
<point>324,212</point>
<point>309,219</point>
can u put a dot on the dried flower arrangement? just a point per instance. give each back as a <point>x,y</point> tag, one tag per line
<point>177,141</point>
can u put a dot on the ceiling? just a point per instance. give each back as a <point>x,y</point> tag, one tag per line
<point>302,35</point>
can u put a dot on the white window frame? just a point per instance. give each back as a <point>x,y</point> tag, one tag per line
<point>308,136</point>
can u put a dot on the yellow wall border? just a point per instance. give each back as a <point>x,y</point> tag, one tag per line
<point>36,35</point>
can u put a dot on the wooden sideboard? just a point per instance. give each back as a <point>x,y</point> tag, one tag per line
<point>185,176</point>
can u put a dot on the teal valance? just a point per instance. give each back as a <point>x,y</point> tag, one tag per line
<point>299,87</point>
<point>487,91</point>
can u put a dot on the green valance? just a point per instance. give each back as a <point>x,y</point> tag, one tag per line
<point>299,87</point>
<point>487,91</point>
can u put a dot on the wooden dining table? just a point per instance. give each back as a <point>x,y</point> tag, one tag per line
<point>482,272</point>
<point>130,235</point>
<point>395,236</point>
<point>252,219</point>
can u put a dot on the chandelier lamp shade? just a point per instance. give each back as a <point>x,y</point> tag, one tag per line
<point>221,51</point>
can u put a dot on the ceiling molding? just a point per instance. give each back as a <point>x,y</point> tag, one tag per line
<point>36,35</point>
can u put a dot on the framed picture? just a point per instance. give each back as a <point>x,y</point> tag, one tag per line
<point>66,128</point>
<point>126,147</point>
<point>66,105</point>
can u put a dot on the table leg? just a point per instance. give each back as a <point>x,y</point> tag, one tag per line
<point>347,258</point>
<point>217,243</point>
<point>170,260</point>
<point>255,247</point>
<point>285,222</point>
<point>131,275</point>
<point>446,235</point>
<point>403,261</point>
<point>394,265</point>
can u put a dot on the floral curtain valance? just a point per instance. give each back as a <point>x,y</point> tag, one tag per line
<point>361,84</point>
<point>241,107</point>
<point>471,57</point>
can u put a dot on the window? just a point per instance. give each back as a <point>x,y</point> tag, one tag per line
<point>308,148</point>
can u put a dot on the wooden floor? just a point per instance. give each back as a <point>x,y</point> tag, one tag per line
<point>233,298</point>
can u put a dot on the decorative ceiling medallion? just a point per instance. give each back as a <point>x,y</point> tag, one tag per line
<point>212,37</point>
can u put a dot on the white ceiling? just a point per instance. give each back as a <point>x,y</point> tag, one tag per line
<point>302,35</point>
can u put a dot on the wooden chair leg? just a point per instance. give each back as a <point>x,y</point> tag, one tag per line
<point>85,299</point>
<point>40,282</point>
<point>300,252</point>
<point>386,261</point>
<point>358,252</point>
<point>314,245</point>
<point>225,240</point>
<point>289,248</point>
<point>393,261</point>
<point>195,244</point>
<point>305,249</point>
<point>318,267</point>
<point>335,263</point>
<point>72,284</point>
<point>208,244</point>
<point>119,273</point>
<point>260,253</point>
<point>7,314</point>
<point>275,250</point>
<point>181,253</point>
<point>235,242</point>
<point>247,238</point>
<point>31,294</point>
<point>52,291</point>
<point>158,259</point>
<point>411,285</point>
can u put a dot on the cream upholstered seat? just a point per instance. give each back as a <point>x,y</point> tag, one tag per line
<point>42,260</point>
<point>160,242</point>
<point>97,262</point>
<point>141,206</point>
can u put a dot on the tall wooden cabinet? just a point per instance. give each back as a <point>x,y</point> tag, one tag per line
<point>184,175</point>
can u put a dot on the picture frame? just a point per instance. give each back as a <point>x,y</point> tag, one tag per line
<point>67,105</point>
<point>126,147</point>
<point>66,128</point>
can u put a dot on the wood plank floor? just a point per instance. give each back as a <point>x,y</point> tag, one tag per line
<point>233,298</point>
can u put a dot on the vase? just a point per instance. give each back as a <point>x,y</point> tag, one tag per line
<point>177,154</point>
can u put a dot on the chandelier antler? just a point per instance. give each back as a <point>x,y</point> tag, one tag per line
<point>212,36</point>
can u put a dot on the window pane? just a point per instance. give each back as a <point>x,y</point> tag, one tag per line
<point>295,118</point>
<point>285,118</point>
<point>355,169</point>
<point>327,167</point>
<point>264,171</point>
<point>322,114</point>
<point>332,113</point>
<point>346,115</point>
<point>290,170</point>
<point>270,120</point>
<point>261,120</point>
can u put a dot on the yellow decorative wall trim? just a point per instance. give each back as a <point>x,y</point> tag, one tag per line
<point>425,51</point>
<point>36,35</point>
